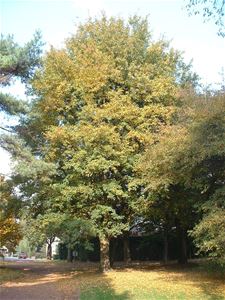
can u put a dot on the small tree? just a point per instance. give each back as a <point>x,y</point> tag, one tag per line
<point>74,232</point>
<point>43,230</point>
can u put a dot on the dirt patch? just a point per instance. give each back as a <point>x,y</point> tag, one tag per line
<point>40,281</point>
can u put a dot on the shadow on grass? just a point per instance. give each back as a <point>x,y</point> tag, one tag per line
<point>94,285</point>
<point>103,293</point>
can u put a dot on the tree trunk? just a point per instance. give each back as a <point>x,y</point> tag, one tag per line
<point>126,248</point>
<point>69,255</point>
<point>113,251</point>
<point>49,251</point>
<point>183,257</point>
<point>104,254</point>
<point>182,244</point>
<point>165,242</point>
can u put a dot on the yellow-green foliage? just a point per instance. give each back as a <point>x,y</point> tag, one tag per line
<point>190,157</point>
<point>103,100</point>
<point>10,231</point>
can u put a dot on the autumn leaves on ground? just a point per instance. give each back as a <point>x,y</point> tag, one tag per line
<point>54,280</point>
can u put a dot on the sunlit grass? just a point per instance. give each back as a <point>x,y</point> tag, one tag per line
<point>151,283</point>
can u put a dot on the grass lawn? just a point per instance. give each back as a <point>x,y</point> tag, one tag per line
<point>151,282</point>
<point>143,281</point>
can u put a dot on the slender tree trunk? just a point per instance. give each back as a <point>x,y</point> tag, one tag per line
<point>182,244</point>
<point>104,254</point>
<point>112,252</point>
<point>49,251</point>
<point>165,242</point>
<point>69,255</point>
<point>126,248</point>
<point>183,256</point>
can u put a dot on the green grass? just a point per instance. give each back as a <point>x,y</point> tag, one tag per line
<point>153,294</point>
<point>102,293</point>
<point>108,294</point>
<point>9,274</point>
<point>156,283</point>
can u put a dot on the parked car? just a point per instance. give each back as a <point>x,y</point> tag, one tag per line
<point>4,251</point>
<point>22,255</point>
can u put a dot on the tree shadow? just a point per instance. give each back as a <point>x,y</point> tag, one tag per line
<point>103,293</point>
<point>95,285</point>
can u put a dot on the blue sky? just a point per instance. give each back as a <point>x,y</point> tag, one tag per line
<point>57,19</point>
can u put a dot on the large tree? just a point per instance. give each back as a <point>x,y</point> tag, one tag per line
<point>101,101</point>
<point>16,63</point>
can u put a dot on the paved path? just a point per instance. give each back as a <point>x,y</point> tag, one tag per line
<point>40,282</point>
